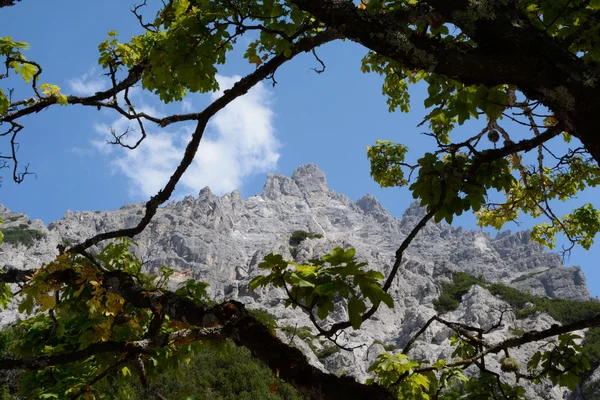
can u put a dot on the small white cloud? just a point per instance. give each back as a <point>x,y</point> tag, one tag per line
<point>87,84</point>
<point>239,141</point>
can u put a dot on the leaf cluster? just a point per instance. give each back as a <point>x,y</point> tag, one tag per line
<point>450,185</point>
<point>387,163</point>
<point>72,310</point>
<point>567,22</point>
<point>397,374</point>
<point>188,39</point>
<point>458,183</point>
<point>451,103</point>
<point>15,61</point>
<point>563,364</point>
<point>319,282</point>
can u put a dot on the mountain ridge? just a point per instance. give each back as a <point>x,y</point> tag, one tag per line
<point>221,240</point>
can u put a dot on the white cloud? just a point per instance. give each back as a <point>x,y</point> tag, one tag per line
<point>87,84</point>
<point>150,166</point>
<point>239,141</point>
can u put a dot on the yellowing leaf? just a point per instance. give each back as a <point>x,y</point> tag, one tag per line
<point>307,269</point>
<point>255,59</point>
<point>46,302</point>
<point>78,292</point>
<point>440,364</point>
<point>4,103</point>
<point>62,100</point>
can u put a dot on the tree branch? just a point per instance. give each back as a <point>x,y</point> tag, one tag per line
<point>508,50</point>
<point>227,320</point>
<point>528,337</point>
<point>39,104</point>
<point>7,3</point>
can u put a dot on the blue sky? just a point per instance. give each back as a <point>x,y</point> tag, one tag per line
<point>327,119</point>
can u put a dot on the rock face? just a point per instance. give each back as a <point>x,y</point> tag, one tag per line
<point>221,240</point>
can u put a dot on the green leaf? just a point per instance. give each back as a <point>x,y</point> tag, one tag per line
<point>568,380</point>
<point>325,308</point>
<point>258,281</point>
<point>273,260</point>
<point>299,282</point>
<point>534,361</point>
<point>386,299</point>
<point>356,308</point>
<point>372,274</point>
<point>4,103</point>
<point>27,304</point>
<point>324,289</point>
<point>28,71</point>
<point>306,269</point>
<point>349,255</point>
<point>5,294</point>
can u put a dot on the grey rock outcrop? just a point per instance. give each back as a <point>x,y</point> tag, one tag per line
<point>221,240</point>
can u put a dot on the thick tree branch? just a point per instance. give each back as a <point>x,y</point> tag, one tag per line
<point>39,104</point>
<point>509,50</point>
<point>7,3</point>
<point>231,320</point>
<point>227,320</point>
<point>524,145</point>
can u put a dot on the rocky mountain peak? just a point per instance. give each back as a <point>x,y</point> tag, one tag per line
<point>308,182</point>
<point>205,194</point>
<point>278,185</point>
<point>371,206</point>
<point>414,210</point>
<point>310,179</point>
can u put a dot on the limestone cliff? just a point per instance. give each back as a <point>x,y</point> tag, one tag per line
<point>221,240</point>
